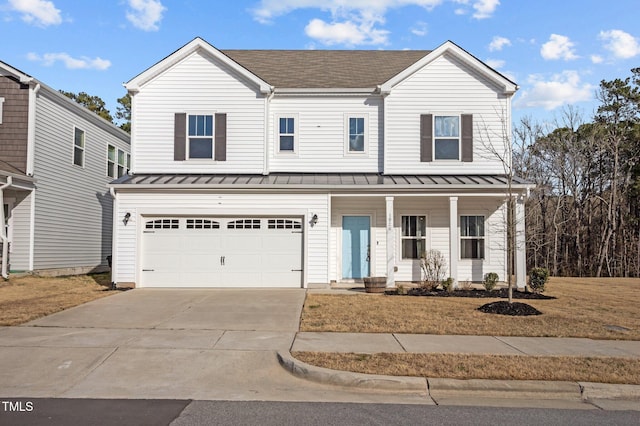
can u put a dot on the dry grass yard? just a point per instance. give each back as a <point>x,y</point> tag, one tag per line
<point>26,298</point>
<point>584,307</point>
<point>491,367</point>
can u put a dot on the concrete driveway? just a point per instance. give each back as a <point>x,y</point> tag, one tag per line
<point>210,344</point>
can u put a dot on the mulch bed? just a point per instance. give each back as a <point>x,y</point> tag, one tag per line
<point>505,308</point>
<point>501,307</point>
<point>502,293</point>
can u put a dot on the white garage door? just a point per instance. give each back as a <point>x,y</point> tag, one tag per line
<point>221,252</point>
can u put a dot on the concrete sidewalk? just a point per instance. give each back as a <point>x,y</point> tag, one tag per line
<point>493,345</point>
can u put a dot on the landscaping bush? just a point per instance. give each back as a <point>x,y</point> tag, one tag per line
<point>433,265</point>
<point>490,281</point>
<point>447,285</point>
<point>538,277</point>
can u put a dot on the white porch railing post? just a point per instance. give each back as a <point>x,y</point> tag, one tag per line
<point>454,240</point>
<point>520,245</point>
<point>391,255</point>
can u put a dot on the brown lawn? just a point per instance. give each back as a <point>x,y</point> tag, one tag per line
<point>584,307</point>
<point>491,367</point>
<point>29,297</point>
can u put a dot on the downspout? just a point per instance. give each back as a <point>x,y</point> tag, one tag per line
<point>31,129</point>
<point>3,232</point>
<point>265,170</point>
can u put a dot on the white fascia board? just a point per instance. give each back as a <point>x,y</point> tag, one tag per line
<point>8,70</point>
<point>509,87</point>
<point>365,91</point>
<point>195,45</point>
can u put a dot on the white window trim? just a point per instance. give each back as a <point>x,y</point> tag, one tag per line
<point>84,147</point>
<point>347,152</point>
<point>398,231</point>
<point>1,109</point>
<point>213,136</point>
<point>296,133</point>
<point>115,161</point>
<point>486,237</point>
<point>433,132</point>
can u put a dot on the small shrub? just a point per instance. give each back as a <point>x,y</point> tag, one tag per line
<point>490,281</point>
<point>465,285</point>
<point>433,265</point>
<point>447,285</point>
<point>400,289</point>
<point>538,277</point>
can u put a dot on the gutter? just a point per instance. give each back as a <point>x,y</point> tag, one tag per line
<point>3,232</point>
<point>31,128</point>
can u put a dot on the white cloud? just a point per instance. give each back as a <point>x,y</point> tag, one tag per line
<point>498,43</point>
<point>596,59</point>
<point>495,63</point>
<point>48,59</point>
<point>347,32</point>
<point>420,29</point>
<point>623,45</point>
<point>39,12</point>
<point>145,14</point>
<point>352,21</point>
<point>561,89</point>
<point>485,8</point>
<point>558,47</point>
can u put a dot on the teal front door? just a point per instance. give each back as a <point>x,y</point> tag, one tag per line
<point>355,246</point>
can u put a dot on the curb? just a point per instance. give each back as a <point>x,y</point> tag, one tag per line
<point>448,388</point>
<point>349,379</point>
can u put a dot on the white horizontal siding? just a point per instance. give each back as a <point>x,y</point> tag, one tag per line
<point>20,229</point>
<point>445,86</point>
<point>224,204</point>
<point>322,134</point>
<point>198,84</point>
<point>73,206</point>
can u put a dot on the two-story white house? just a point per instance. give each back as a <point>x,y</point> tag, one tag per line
<point>300,168</point>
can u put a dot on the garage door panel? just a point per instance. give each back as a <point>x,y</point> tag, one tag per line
<point>222,252</point>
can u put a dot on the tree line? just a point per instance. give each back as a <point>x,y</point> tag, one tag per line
<point>583,217</point>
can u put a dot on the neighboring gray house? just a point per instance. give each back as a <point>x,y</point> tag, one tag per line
<point>272,168</point>
<point>56,159</point>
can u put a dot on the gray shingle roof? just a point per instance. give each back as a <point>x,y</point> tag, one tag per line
<point>321,69</point>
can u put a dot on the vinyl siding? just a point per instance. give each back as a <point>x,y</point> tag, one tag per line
<point>322,133</point>
<point>198,84</point>
<point>222,204</point>
<point>73,209</point>
<point>445,86</point>
<point>20,226</point>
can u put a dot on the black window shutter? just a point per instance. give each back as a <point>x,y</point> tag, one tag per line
<point>426,137</point>
<point>221,137</point>
<point>180,136</point>
<point>467,137</point>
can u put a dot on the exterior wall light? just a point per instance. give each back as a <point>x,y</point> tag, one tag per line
<point>127,216</point>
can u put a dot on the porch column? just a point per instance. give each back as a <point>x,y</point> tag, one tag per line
<point>391,254</point>
<point>454,240</point>
<point>520,245</point>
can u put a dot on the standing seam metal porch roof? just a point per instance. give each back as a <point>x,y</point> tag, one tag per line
<point>371,181</point>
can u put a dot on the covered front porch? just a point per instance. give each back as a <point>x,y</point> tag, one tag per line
<point>386,234</point>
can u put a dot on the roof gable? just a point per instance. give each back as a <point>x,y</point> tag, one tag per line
<point>508,86</point>
<point>195,45</point>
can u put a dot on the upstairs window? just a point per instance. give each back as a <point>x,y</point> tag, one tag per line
<point>118,162</point>
<point>78,147</point>
<point>356,134</point>
<point>200,136</point>
<point>286,134</point>
<point>472,237</point>
<point>446,141</point>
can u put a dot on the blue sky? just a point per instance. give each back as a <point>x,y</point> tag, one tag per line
<point>557,51</point>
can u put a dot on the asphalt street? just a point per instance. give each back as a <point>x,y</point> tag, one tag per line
<point>107,412</point>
